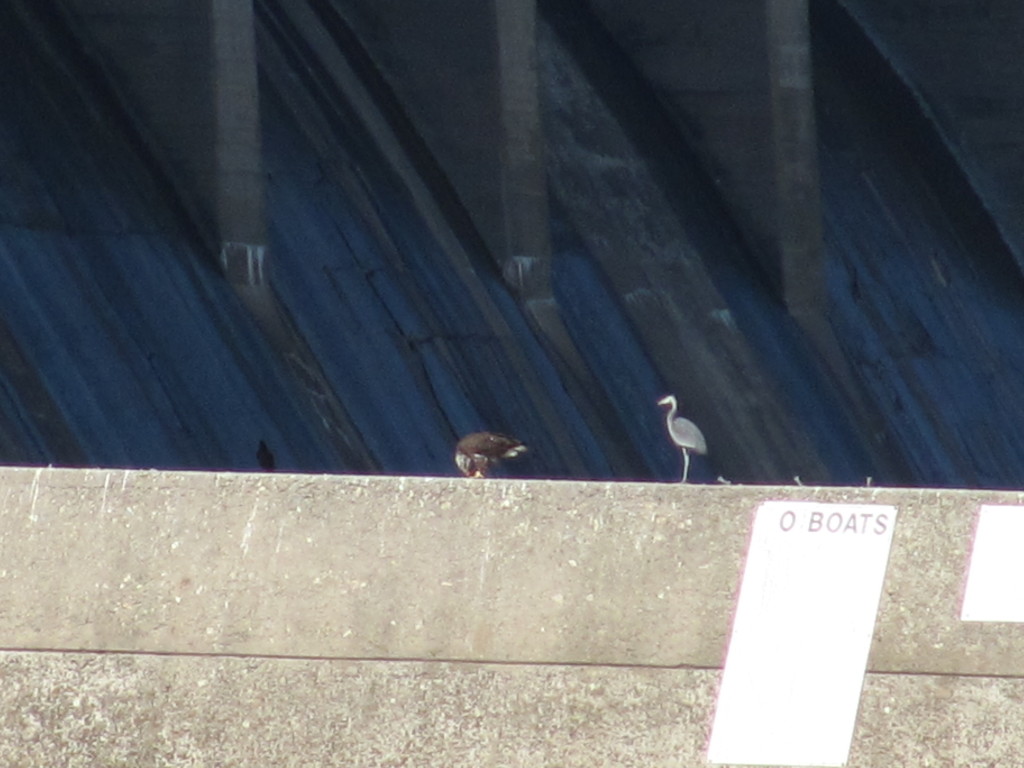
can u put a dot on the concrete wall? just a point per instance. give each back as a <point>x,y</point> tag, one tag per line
<point>218,619</point>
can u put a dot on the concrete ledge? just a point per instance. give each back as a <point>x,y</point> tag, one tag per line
<point>364,567</point>
<point>113,709</point>
<point>442,568</point>
<point>88,710</point>
<point>229,619</point>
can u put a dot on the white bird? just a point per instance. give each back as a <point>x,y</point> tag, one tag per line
<point>684,433</point>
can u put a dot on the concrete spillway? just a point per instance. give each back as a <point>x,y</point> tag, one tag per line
<point>357,232</point>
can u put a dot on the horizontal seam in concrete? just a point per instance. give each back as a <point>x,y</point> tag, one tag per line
<point>369,659</point>
<point>464,662</point>
<point>924,673</point>
<point>461,662</point>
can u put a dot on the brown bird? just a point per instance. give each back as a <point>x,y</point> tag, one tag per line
<point>475,454</point>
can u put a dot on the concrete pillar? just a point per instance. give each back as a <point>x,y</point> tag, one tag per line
<point>798,240</point>
<point>188,70</point>
<point>238,177</point>
<point>525,240</point>
<point>735,77</point>
<point>526,246</point>
<point>466,74</point>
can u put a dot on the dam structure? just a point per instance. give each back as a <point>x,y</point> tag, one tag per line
<point>264,262</point>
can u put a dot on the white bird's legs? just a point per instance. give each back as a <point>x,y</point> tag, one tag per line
<point>686,464</point>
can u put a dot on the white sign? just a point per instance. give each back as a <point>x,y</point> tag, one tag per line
<point>994,578</point>
<point>800,640</point>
